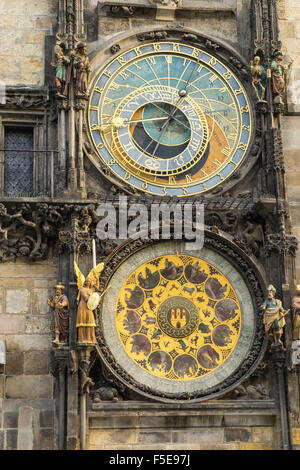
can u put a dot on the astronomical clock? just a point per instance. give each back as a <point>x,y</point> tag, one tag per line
<point>171,118</point>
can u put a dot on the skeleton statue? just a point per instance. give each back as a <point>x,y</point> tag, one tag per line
<point>259,78</point>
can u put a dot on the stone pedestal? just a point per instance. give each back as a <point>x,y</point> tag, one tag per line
<point>215,425</point>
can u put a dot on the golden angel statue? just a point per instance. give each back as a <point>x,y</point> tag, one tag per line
<point>88,300</point>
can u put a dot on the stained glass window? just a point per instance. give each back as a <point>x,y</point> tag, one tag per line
<point>18,165</point>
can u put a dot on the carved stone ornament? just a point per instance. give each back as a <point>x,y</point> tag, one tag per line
<point>248,364</point>
<point>26,229</point>
<point>25,98</point>
<point>281,244</point>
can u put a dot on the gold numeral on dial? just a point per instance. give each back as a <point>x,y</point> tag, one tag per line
<point>114,86</point>
<point>188,178</point>
<point>226,151</point>
<point>244,109</point>
<point>107,73</point>
<point>213,78</point>
<point>151,60</point>
<point>138,51</point>
<point>242,147</point>
<point>108,100</point>
<point>185,191</point>
<point>124,75</point>
<point>122,61</point>
<point>227,75</point>
<point>231,137</point>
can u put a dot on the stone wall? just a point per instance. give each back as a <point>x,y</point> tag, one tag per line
<point>26,385</point>
<point>216,425</point>
<point>219,24</point>
<point>289,29</point>
<point>23,27</point>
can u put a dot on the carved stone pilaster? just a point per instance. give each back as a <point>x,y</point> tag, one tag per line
<point>76,238</point>
<point>262,107</point>
<point>278,358</point>
<point>85,382</point>
<point>84,358</point>
<point>279,363</point>
<point>60,359</point>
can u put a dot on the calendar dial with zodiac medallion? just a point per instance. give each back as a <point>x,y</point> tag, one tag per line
<point>170,119</point>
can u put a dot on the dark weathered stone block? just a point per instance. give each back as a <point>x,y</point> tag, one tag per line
<point>71,443</point>
<point>46,418</point>
<point>249,420</point>
<point>1,440</point>
<point>1,386</point>
<point>10,419</point>
<point>201,435</point>
<point>154,437</point>
<point>14,363</point>
<point>237,434</point>
<point>47,439</point>
<point>11,439</point>
<point>36,363</point>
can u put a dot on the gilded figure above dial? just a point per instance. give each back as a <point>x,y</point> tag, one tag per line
<point>170,119</point>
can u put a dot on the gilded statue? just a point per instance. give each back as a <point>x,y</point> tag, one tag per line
<point>274,314</point>
<point>62,70</point>
<point>87,300</point>
<point>296,314</point>
<point>81,70</point>
<point>279,71</point>
<point>60,305</point>
<point>259,78</point>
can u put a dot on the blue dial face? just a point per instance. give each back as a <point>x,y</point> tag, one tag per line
<point>169,119</point>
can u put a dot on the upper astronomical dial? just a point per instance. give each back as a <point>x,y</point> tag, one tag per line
<point>169,119</point>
